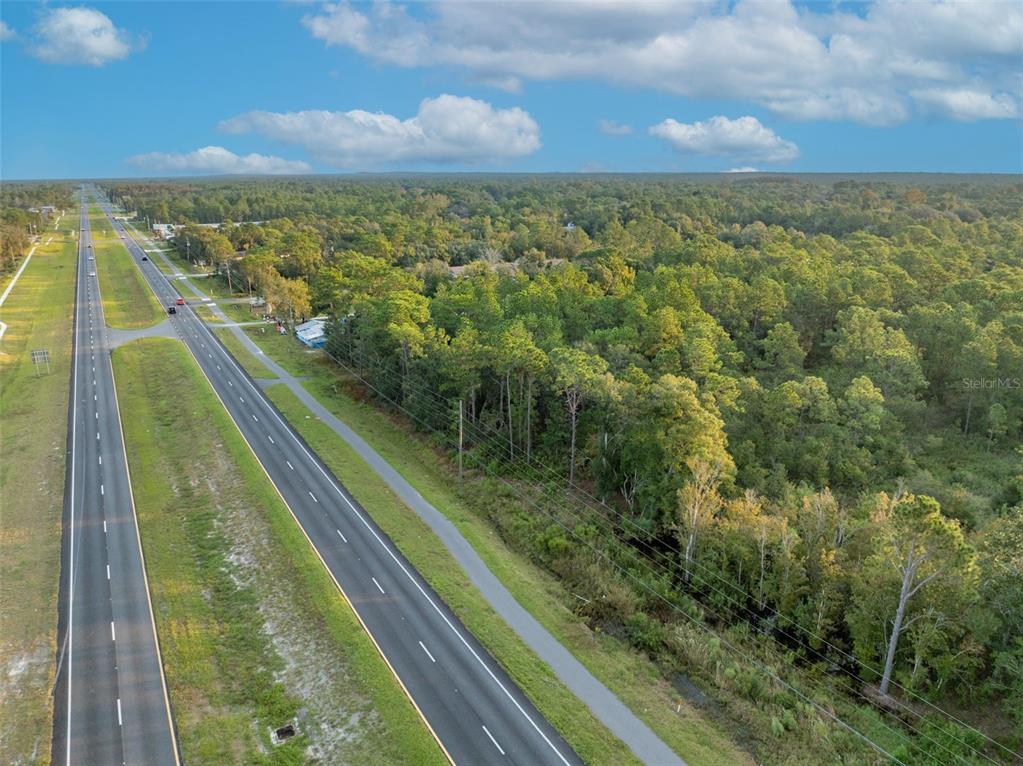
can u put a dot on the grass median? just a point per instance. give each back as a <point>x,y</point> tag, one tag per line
<point>128,303</point>
<point>252,629</point>
<point>33,410</point>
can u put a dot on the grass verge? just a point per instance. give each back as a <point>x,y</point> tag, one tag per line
<point>33,410</point>
<point>128,303</point>
<point>245,358</point>
<point>206,314</point>
<point>253,630</point>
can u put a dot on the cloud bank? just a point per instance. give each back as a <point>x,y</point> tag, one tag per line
<point>81,36</point>
<point>446,130</point>
<point>881,66</point>
<point>218,160</point>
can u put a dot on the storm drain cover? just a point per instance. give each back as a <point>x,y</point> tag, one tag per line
<point>282,734</point>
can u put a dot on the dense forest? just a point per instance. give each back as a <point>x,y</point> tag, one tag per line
<point>723,410</point>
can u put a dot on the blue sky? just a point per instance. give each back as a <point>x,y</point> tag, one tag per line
<point>137,89</point>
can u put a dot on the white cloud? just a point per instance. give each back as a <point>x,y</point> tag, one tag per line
<point>815,63</point>
<point>81,36</point>
<point>6,33</point>
<point>967,104</point>
<point>745,169</point>
<point>744,137</point>
<point>446,130</point>
<point>612,128</point>
<point>218,160</point>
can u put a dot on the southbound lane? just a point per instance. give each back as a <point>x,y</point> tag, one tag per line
<point>110,705</point>
<point>472,706</point>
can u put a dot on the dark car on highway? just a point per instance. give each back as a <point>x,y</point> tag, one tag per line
<point>172,310</point>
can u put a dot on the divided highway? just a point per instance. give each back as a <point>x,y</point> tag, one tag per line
<point>110,698</point>
<point>474,709</point>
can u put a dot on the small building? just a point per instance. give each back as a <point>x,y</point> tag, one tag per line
<point>163,230</point>
<point>312,333</point>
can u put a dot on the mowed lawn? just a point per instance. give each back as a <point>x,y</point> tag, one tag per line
<point>128,303</point>
<point>33,414</point>
<point>252,629</point>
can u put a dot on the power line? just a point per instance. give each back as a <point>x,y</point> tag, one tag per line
<point>603,555</point>
<point>498,452</point>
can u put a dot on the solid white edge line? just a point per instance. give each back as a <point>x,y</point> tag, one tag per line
<point>456,631</point>
<point>499,748</point>
<point>74,439</point>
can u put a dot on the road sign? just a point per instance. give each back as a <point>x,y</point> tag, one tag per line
<point>41,356</point>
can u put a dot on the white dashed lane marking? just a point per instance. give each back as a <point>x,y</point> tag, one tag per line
<point>427,652</point>
<point>499,749</point>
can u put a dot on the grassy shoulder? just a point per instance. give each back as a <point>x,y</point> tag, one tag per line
<point>252,629</point>
<point>33,410</point>
<point>245,358</point>
<point>128,303</point>
<point>206,314</point>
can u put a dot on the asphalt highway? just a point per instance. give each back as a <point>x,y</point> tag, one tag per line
<point>476,712</point>
<point>110,700</point>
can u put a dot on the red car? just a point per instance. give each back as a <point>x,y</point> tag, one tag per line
<point>180,301</point>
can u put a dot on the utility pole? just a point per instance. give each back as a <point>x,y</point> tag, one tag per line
<point>461,407</point>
